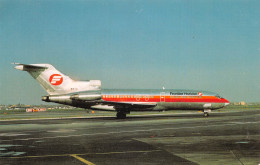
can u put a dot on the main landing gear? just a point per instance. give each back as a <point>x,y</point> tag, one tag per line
<point>121,115</point>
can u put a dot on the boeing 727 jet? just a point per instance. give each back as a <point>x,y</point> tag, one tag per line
<point>88,94</point>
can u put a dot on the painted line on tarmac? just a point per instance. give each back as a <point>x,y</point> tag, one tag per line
<point>98,153</point>
<point>125,152</point>
<point>55,118</point>
<point>120,132</point>
<point>235,156</point>
<point>82,160</point>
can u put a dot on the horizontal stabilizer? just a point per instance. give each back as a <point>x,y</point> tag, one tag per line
<point>27,67</point>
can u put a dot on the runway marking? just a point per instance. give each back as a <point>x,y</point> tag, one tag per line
<point>120,132</point>
<point>62,131</point>
<point>107,153</point>
<point>253,122</point>
<point>13,134</point>
<point>56,118</point>
<point>82,160</point>
<point>236,157</point>
<point>195,133</point>
<point>61,155</point>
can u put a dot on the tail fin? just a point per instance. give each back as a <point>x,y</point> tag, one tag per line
<point>56,83</point>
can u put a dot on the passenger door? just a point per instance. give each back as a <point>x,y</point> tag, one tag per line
<point>162,97</point>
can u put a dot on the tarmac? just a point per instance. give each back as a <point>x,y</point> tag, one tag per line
<point>222,138</point>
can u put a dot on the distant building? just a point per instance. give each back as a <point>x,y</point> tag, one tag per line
<point>35,109</point>
<point>15,108</point>
<point>240,103</point>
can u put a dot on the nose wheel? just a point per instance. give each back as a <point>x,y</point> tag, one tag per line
<point>206,112</point>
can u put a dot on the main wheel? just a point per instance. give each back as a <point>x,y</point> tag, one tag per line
<point>121,115</point>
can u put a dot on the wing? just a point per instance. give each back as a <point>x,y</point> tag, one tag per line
<point>124,106</point>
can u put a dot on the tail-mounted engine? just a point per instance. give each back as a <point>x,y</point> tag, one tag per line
<point>70,98</point>
<point>86,97</point>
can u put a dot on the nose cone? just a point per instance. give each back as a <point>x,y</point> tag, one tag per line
<point>226,102</point>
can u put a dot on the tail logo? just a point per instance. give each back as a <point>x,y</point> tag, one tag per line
<point>200,94</point>
<point>56,79</point>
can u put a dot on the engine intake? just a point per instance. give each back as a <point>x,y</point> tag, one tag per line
<point>45,98</point>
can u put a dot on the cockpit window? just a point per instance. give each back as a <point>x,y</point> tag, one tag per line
<point>219,97</point>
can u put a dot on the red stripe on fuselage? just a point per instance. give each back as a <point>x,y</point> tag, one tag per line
<point>208,99</point>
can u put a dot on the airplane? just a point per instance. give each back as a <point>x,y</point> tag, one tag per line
<point>89,95</point>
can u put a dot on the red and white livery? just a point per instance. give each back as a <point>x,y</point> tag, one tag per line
<point>88,94</point>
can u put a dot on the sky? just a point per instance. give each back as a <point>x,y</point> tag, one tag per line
<point>140,44</point>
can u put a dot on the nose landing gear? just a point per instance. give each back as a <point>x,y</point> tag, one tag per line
<point>206,112</point>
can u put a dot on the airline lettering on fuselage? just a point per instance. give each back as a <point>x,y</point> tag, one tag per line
<point>185,93</point>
